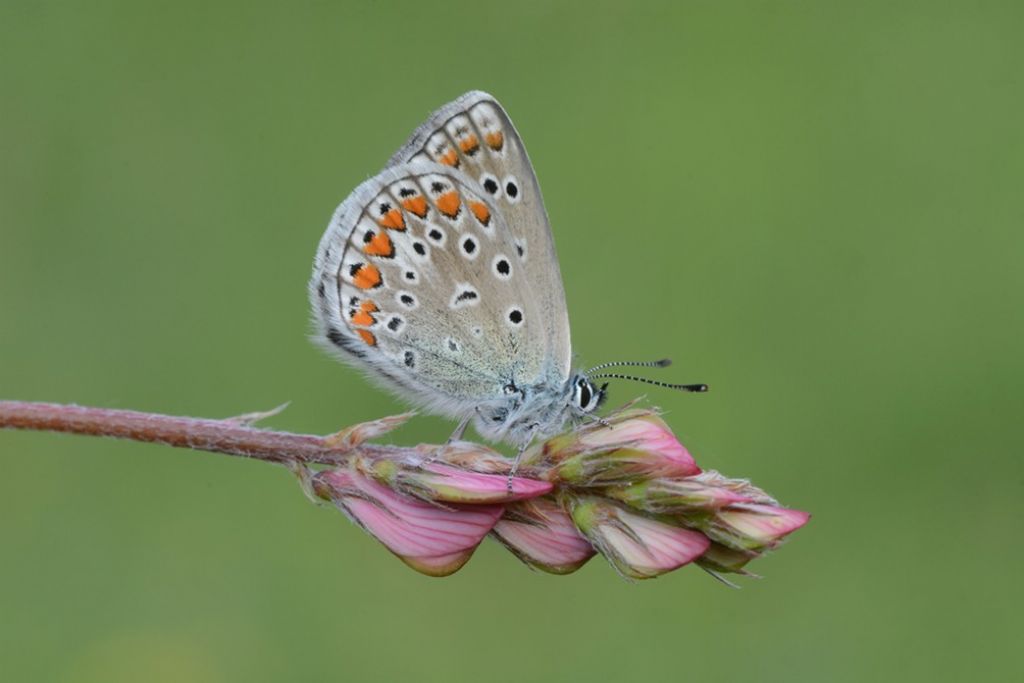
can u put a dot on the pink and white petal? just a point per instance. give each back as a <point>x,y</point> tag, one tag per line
<point>651,435</point>
<point>550,543</point>
<point>412,528</point>
<point>661,549</point>
<point>763,523</point>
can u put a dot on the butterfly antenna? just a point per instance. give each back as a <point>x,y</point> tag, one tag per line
<point>663,363</point>
<point>696,388</point>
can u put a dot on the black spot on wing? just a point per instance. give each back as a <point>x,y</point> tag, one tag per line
<point>344,343</point>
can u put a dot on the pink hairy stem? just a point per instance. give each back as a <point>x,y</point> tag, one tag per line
<point>231,436</point>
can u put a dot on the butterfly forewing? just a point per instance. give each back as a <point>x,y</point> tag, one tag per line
<point>418,279</point>
<point>474,136</point>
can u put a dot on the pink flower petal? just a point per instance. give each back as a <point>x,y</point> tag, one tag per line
<point>637,546</point>
<point>429,538</point>
<point>651,435</point>
<point>763,523</point>
<point>661,549</point>
<point>630,446</point>
<point>541,534</point>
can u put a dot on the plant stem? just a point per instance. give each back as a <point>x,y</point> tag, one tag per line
<point>230,436</point>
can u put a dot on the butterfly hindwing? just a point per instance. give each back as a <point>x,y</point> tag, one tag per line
<point>474,136</point>
<point>417,280</point>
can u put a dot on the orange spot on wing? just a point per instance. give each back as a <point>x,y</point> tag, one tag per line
<point>367,337</point>
<point>495,140</point>
<point>449,158</point>
<point>362,316</point>
<point>469,144</point>
<point>366,277</point>
<point>417,205</point>
<point>392,220</point>
<point>448,203</point>
<point>380,245</point>
<point>480,210</point>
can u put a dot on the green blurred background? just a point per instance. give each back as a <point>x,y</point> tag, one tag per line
<point>816,207</point>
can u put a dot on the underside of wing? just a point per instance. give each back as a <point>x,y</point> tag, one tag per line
<point>475,136</point>
<point>418,279</point>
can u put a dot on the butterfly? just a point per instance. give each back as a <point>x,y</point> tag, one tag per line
<point>438,277</point>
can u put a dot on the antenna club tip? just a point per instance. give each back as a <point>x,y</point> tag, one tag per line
<point>663,363</point>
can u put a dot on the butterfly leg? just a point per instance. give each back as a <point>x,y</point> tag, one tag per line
<point>460,430</point>
<point>599,420</point>
<point>519,457</point>
<point>457,435</point>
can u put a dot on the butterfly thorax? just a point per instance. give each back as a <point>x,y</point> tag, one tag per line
<point>538,411</point>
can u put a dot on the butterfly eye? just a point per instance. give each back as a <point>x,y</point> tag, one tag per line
<point>584,394</point>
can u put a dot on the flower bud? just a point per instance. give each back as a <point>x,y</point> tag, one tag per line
<point>740,487</point>
<point>433,540</point>
<point>353,436</point>
<point>630,445</point>
<point>719,558</point>
<point>637,546</point>
<point>542,534</point>
<point>434,481</point>
<point>466,455</point>
<point>670,496</point>
<point>749,526</point>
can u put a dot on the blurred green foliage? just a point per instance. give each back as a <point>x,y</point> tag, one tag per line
<point>815,207</point>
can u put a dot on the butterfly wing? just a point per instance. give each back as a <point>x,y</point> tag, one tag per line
<point>474,135</point>
<point>417,280</point>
